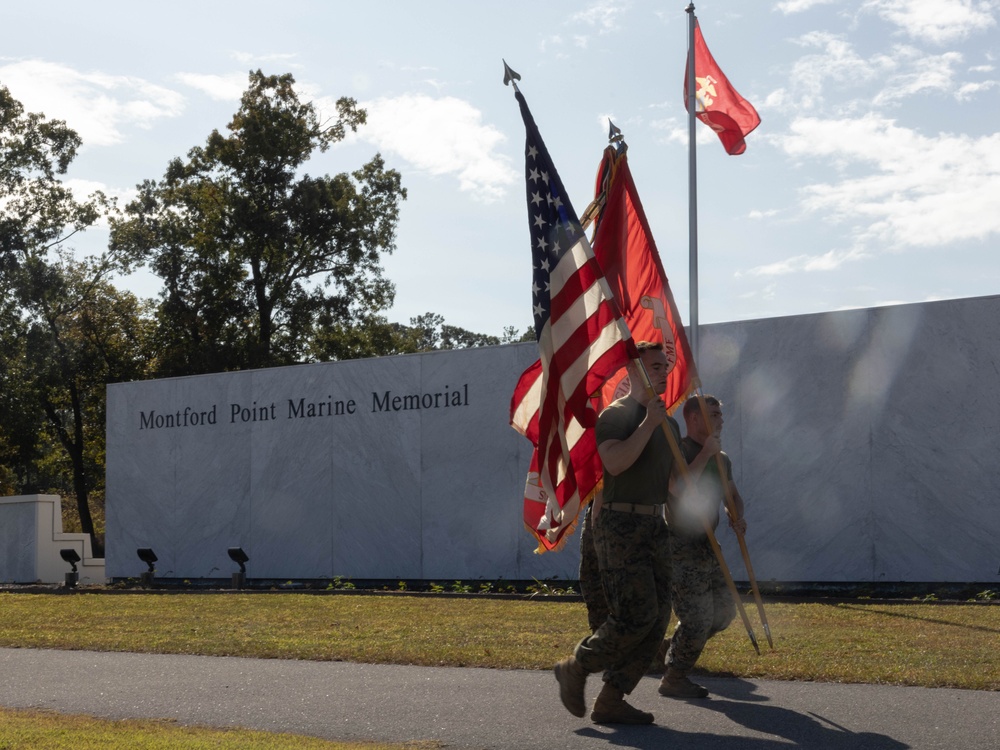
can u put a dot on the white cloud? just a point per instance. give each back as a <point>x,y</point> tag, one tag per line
<point>836,61</point>
<point>83,189</point>
<point>766,293</point>
<point>903,72</point>
<point>937,21</point>
<point>777,99</point>
<point>96,105</point>
<point>553,44</point>
<point>925,73</point>
<point>674,132</point>
<point>758,214</point>
<point>905,189</point>
<point>603,15</point>
<point>254,60</point>
<point>555,39</point>
<point>797,6</point>
<point>828,261</point>
<point>229,87</point>
<point>444,136</point>
<point>968,91</point>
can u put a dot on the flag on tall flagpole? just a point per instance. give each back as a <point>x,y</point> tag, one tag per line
<point>626,252</point>
<point>582,340</point>
<point>719,105</point>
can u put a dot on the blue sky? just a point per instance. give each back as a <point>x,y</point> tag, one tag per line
<point>873,179</point>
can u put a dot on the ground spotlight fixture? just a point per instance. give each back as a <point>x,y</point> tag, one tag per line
<point>238,556</point>
<point>147,556</point>
<point>71,556</point>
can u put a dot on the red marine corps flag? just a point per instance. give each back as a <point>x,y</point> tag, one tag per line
<point>581,342</point>
<point>719,105</point>
<point>624,247</point>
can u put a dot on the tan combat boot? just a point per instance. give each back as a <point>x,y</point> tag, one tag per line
<point>611,708</point>
<point>572,681</point>
<point>675,684</point>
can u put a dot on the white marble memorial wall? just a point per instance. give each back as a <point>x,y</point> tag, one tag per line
<point>865,443</point>
<point>382,490</point>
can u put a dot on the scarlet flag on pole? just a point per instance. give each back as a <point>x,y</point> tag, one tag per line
<point>581,342</point>
<point>718,104</point>
<point>624,247</point>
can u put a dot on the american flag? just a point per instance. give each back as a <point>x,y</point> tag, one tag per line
<point>582,340</point>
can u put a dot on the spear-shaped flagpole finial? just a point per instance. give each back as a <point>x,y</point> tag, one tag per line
<point>614,132</point>
<point>615,136</point>
<point>510,75</point>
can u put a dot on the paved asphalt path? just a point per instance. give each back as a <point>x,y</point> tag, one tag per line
<point>475,709</point>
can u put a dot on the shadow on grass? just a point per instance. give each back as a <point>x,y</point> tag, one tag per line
<point>873,611</point>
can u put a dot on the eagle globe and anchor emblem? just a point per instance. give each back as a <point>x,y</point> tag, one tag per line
<point>662,324</point>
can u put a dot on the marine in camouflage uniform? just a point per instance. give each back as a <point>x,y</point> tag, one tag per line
<point>592,590</point>
<point>701,598</point>
<point>631,544</point>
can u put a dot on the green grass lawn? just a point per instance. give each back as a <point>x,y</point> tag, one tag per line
<point>923,644</point>
<point>931,645</point>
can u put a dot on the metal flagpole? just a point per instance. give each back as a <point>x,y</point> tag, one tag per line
<point>692,104</point>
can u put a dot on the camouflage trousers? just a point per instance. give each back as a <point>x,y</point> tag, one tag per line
<point>701,599</point>
<point>633,555</point>
<point>591,588</point>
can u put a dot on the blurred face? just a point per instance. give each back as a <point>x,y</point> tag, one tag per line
<point>715,420</point>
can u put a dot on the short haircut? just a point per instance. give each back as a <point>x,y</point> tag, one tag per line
<point>645,346</point>
<point>691,406</point>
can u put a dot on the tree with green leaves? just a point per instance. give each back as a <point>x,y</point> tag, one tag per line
<point>429,331</point>
<point>83,334</point>
<point>69,331</point>
<point>261,262</point>
<point>376,337</point>
<point>20,419</point>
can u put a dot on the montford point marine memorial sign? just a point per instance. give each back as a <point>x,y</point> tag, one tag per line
<point>301,409</point>
<point>863,441</point>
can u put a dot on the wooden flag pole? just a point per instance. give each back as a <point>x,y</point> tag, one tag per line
<point>709,532</point>
<point>731,510</point>
<point>732,586</point>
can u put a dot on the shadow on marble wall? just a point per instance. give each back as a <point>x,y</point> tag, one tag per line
<point>866,442</point>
